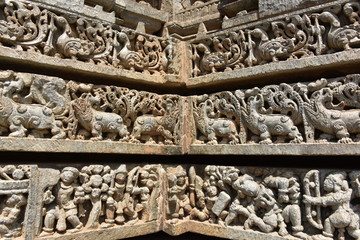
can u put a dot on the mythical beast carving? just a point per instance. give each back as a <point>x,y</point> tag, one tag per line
<point>21,117</point>
<point>147,127</point>
<point>97,122</point>
<point>211,126</point>
<point>268,125</point>
<point>340,123</point>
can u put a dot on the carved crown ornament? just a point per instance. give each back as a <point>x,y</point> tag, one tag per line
<point>130,200</point>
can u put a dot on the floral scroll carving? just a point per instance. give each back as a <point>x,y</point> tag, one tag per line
<point>298,36</point>
<point>29,27</point>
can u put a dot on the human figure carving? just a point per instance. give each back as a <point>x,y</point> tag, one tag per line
<point>10,214</point>
<point>338,195</point>
<point>66,208</point>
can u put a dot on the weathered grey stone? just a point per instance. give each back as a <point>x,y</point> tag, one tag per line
<point>262,78</point>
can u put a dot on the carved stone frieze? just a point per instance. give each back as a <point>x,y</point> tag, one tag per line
<point>28,27</point>
<point>320,111</point>
<point>98,196</point>
<point>226,201</point>
<point>15,190</point>
<point>49,107</point>
<point>297,203</point>
<point>297,36</point>
<point>39,106</point>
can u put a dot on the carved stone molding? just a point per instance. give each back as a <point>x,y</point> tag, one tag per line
<point>330,30</point>
<point>29,27</point>
<point>322,112</point>
<point>49,107</point>
<point>127,200</point>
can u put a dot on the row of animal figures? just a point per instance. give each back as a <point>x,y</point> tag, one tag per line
<point>39,106</point>
<point>320,111</point>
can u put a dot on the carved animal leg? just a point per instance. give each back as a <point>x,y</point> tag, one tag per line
<point>135,135</point>
<point>342,133</point>
<point>295,136</point>
<point>3,130</point>
<point>57,130</point>
<point>234,139</point>
<point>111,136</point>
<point>96,132</point>
<point>166,134</point>
<point>212,138</point>
<point>265,137</point>
<point>17,130</point>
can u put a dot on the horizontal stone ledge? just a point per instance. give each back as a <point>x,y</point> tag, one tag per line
<point>116,147</point>
<point>214,230</point>
<point>119,232</point>
<point>82,70</point>
<point>303,149</point>
<point>80,146</point>
<point>308,67</point>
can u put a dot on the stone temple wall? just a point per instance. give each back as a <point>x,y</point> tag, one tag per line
<point>123,118</point>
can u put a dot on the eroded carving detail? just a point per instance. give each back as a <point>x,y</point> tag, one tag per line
<point>322,111</point>
<point>266,200</point>
<point>14,188</point>
<point>31,28</point>
<point>333,29</point>
<point>100,197</point>
<point>39,106</point>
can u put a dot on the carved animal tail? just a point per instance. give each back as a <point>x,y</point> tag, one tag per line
<point>296,116</point>
<point>234,99</point>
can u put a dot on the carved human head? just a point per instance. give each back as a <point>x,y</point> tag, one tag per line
<point>17,200</point>
<point>250,188</point>
<point>181,175</point>
<point>69,174</point>
<point>335,182</point>
<point>96,181</point>
<point>121,173</point>
<point>212,191</point>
